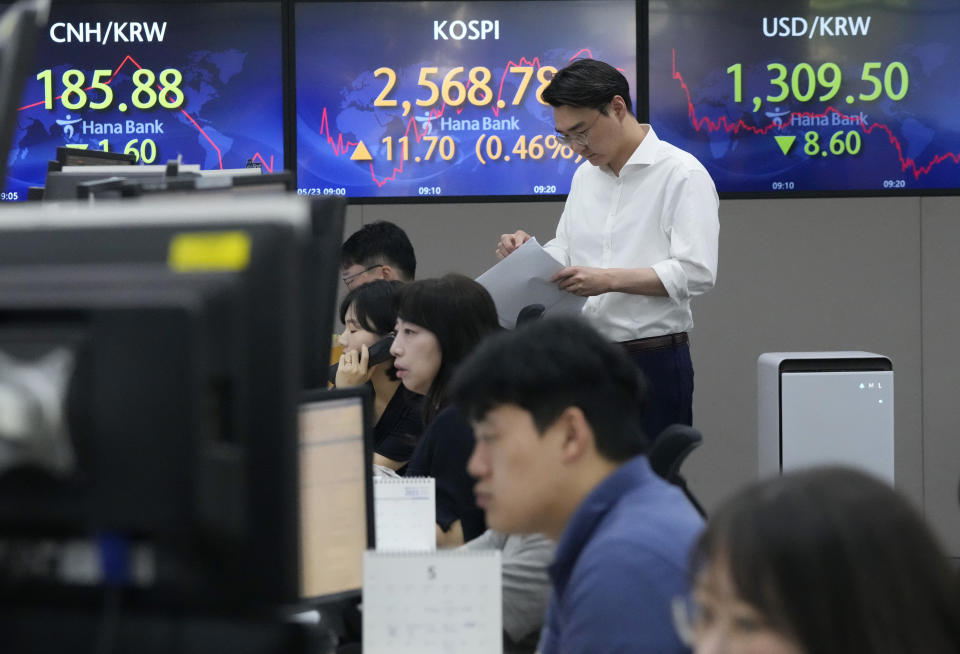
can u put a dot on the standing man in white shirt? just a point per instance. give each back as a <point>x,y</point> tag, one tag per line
<point>638,234</point>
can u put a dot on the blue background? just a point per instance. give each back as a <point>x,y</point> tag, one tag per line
<point>708,39</point>
<point>230,55</point>
<point>339,45</point>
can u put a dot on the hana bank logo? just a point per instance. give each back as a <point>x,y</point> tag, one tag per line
<point>425,121</point>
<point>66,124</point>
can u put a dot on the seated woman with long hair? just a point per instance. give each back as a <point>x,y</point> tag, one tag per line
<point>369,313</point>
<point>821,561</point>
<point>439,322</point>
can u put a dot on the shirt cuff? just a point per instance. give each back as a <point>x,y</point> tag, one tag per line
<point>673,279</point>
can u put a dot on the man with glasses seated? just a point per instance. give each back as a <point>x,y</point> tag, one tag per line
<point>380,250</point>
<point>638,234</point>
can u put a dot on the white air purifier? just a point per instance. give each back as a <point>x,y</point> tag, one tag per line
<point>817,408</point>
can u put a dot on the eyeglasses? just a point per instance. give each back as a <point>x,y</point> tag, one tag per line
<point>685,619</point>
<point>349,278</point>
<point>580,137</point>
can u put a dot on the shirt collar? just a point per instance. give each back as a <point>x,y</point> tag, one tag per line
<point>632,474</point>
<point>645,153</point>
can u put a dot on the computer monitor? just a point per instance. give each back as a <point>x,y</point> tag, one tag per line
<point>435,101</point>
<point>336,492</point>
<point>222,65</point>
<point>151,358</point>
<point>86,157</point>
<point>257,183</point>
<point>19,26</point>
<point>63,184</point>
<point>121,187</point>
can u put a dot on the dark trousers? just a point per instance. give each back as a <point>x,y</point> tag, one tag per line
<point>669,374</point>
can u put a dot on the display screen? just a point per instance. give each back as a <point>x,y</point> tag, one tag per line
<point>333,500</point>
<point>806,98</point>
<point>161,80</point>
<point>442,99</point>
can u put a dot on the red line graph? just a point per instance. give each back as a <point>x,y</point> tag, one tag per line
<point>267,166</point>
<point>341,146</point>
<point>906,163</point>
<point>183,111</point>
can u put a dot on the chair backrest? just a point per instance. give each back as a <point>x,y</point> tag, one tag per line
<point>671,447</point>
<point>530,313</point>
<point>668,453</point>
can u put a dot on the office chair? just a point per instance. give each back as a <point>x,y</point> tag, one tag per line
<point>530,313</point>
<point>668,453</point>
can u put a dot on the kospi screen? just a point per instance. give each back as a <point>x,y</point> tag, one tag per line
<point>442,99</point>
<point>807,98</point>
<point>201,80</point>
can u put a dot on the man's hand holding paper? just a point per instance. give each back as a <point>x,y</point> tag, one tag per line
<point>527,277</point>
<point>583,281</point>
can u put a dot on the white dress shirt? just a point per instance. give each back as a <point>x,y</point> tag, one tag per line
<point>661,212</point>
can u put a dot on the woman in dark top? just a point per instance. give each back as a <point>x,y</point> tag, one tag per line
<point>439,322</point>
<point>368,313</point>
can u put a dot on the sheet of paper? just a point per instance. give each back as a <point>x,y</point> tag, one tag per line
<point>384,471</point>
<point>405,514</point>
<point>522,279</point>
<point>432,603</point>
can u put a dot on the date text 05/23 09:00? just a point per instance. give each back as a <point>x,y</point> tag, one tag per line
<point>537,189</point>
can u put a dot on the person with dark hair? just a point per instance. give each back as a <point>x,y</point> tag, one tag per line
<point>826,560</point>
<point>379,250</point>
<point>638,234</point>
<point>369,313</point>
<point>557,413</point>
<point>439,322</point>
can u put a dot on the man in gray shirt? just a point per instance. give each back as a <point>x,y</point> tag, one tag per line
<point>526,586</point>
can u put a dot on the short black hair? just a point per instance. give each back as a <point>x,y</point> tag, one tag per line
<point>587,83</point>
<point>839,561</point>
<point>373,305</point>
<point>548,365</point>
<point>460,313</point>
<point>380,242</point>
